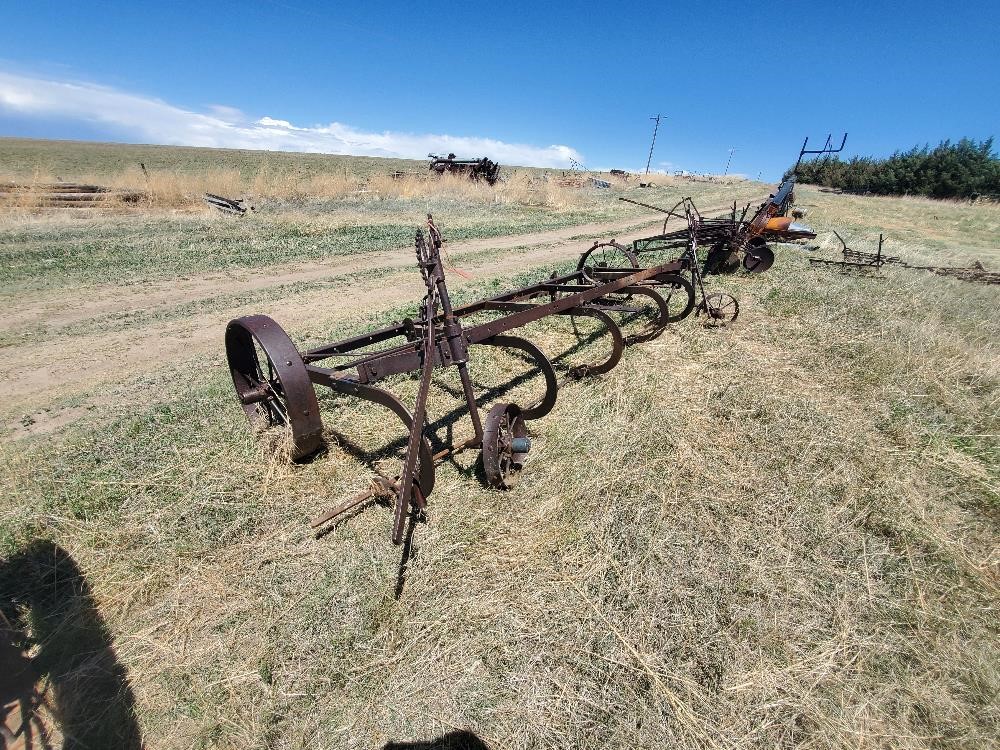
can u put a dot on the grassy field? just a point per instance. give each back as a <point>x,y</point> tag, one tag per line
<point>72,160</point>
<point>778,534</point>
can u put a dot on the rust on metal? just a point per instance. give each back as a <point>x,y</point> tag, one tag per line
<point>227,205</point>
<point>275,383</point>
<point>858,261</point>
<point>976,272</point>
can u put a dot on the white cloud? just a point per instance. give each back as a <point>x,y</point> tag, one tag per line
<point>156,121</point>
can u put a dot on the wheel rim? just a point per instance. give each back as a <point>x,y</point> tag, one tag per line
<point>501,463</point>
<point>272,383</point>
<point>720,309</point>
<point>606,255</point>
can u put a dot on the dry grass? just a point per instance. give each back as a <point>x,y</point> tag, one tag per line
<point>174,189</point>
<point>780,534</point>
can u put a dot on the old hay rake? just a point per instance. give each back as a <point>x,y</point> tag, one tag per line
<point>863,262</point>
<point>276,384</point>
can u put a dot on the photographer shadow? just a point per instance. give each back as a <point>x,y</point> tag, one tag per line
<point>60,674</point>
<point>457,740</point>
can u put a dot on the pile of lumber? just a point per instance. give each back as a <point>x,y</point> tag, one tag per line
<point>65,195</point>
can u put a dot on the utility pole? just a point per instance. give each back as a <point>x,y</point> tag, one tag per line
<point>655,128</point>
<point>731,151</point>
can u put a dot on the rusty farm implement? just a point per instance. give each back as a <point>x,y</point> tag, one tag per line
<point>857,260</point>
<point>604,259</point>
<point>483,169</point>
<point>276,384</point>
<point>731,240</point>
<point>861,262</point>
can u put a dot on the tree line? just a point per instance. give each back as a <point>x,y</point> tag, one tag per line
<point>966,169</point>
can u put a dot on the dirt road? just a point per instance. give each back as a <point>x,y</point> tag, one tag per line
<point>66,363</point>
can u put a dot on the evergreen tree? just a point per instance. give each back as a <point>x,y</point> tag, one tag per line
<point>950,170</point>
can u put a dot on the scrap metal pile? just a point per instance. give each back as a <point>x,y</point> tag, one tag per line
<point>276,383</point>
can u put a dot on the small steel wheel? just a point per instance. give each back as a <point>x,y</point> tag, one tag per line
<point>505,445</point>
<point>719,309</point>
<point>272,383</point>
<point>758,258</point>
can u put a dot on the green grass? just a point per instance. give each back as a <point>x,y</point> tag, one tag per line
<point>131,252</point>
<point>58,253</point>
<point>51,252</point>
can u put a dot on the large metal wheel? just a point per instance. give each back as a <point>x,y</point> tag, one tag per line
<point>272,383</point>
<point>606,255</point>
<point>505,445</point>
<point>678,293</point>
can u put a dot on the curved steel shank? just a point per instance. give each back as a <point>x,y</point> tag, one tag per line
<point>662,319</point>
<point>617,341</point>
<point>382,397</point>
<point>548,400</point>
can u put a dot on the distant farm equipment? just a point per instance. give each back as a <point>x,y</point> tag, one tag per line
<point>863,262</point>
<point>476,169</point>
<point>858,261</point>
<point>976,272</point>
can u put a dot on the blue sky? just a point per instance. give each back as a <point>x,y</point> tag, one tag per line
<point>527,81</point>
